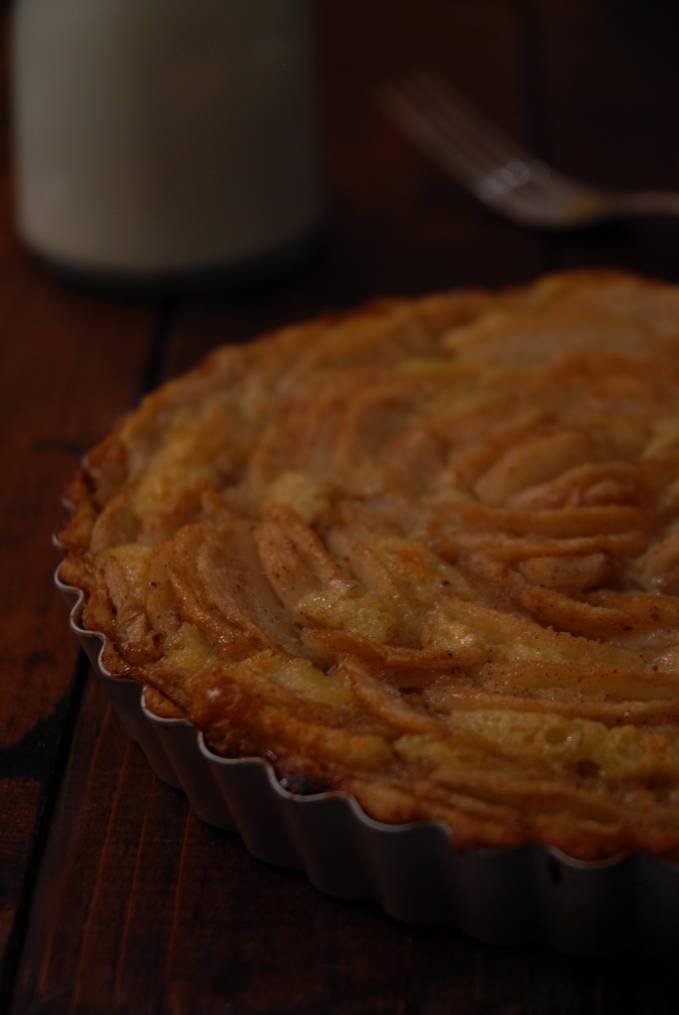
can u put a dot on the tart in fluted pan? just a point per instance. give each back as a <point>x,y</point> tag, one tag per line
<point>426,553</point>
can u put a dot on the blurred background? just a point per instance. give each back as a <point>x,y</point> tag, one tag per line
<point>113,897</point>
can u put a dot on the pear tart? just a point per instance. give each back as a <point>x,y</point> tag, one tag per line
<point>426,553</point>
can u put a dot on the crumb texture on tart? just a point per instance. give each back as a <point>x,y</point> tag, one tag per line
<point>426,552</point>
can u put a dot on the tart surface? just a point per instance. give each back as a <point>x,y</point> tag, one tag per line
<point>426,553</point>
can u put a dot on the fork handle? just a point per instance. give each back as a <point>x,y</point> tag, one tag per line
<point>649,202</point>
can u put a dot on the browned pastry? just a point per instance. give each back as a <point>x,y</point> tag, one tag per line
<point>427,553</point>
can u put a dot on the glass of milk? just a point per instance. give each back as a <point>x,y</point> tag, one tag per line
<point>165,139</point>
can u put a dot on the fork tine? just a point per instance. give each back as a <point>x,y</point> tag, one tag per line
<point>453,133</point>
<point>420,128</point>
<point>498,170</point>
<point>410,105</point>
<point>449,105</point>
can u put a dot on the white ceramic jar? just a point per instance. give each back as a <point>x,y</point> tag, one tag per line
<point>165,137</point>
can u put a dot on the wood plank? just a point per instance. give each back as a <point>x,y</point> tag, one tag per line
<point>71,364</point>
<point>83,924</point>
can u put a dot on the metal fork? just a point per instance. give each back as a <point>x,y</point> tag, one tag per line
<point>497,169</point>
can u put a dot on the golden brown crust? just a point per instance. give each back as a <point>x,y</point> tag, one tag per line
<point>427,553</point>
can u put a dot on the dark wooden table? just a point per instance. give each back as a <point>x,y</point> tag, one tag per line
<point>115,898</point>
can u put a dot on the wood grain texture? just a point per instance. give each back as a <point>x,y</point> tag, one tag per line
<point>114,897</point>
<point>70,364</point>
<point>66,375</point>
